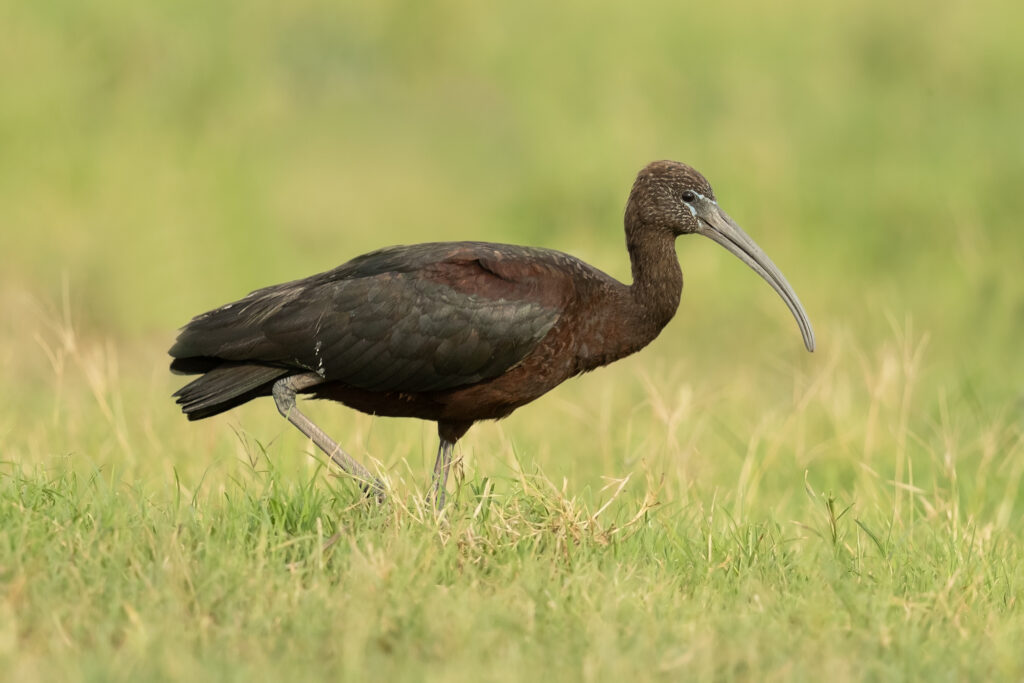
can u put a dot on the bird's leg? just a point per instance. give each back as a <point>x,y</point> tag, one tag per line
<point>440,478</point>
<point>449,432</point>
<point>284,395</point>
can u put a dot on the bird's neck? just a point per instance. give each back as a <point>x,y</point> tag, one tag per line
<point>636,313</point>
<point>657,278</point>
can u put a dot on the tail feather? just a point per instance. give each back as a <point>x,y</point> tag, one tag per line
<point>226,386</point>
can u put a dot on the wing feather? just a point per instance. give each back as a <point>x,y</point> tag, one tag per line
<point>407,319</point>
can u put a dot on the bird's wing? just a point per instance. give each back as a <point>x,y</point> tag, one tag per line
<point>425,322</point>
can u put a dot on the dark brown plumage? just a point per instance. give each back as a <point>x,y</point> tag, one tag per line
<point>456,332</point>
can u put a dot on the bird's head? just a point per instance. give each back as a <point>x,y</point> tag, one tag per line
<point>672,197</point>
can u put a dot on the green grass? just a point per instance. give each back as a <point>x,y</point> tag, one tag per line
<point>721,506</point>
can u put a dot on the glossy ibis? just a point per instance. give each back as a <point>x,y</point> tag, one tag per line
<point>456,332</point>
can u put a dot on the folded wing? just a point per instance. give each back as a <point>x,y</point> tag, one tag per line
<point>406,319</point>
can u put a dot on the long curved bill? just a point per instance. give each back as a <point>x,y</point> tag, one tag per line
<point>717,225</point>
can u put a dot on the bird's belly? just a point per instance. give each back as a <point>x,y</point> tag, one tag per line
<point>491,399</point>
<point>498,397</point>
<point>426,406</point>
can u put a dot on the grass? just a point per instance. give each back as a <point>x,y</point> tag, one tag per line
<point>786,552</point>
<point>721,506</point>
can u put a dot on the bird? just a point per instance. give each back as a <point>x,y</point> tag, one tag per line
<point>456,332</point>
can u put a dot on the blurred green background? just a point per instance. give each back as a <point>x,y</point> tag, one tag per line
<point>159,159</point>
<point>168,157</point>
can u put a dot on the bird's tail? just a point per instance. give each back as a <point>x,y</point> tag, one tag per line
<point>226,386</point>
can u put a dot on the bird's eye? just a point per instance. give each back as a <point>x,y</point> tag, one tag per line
<point>689,196</point>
